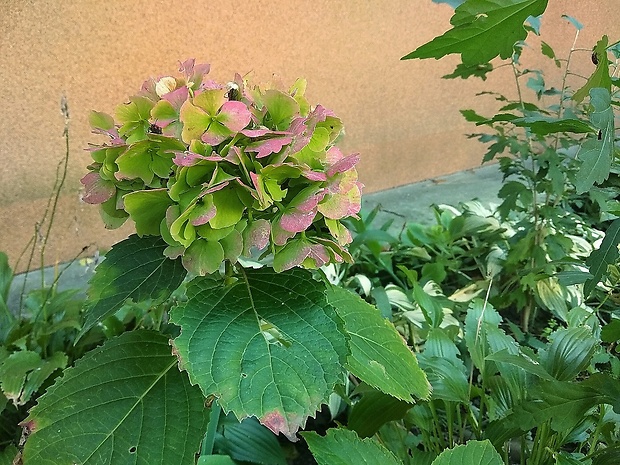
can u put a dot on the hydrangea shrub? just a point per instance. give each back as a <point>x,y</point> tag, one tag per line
<point>221,171</point>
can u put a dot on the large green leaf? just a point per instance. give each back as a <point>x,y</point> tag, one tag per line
<point>482,30</point>
<point>569,352</point>
<point>472,453</point>
<point>342,447</point>
<point>373,410</point>
<point>601,258</point>
<point>249,441</point>
<point>136,269</point>
<point>596,153</point>
<point>379,355</point>
<point>124,402</point>
<point>268,345</point>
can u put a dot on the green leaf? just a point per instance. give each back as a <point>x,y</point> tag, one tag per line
<point>249,441</point>
<point>482,30</point>
<point>267,345</point>
<point>601,258</point>
<point>13,373</point>
<point>573,21</point>
<point>136,269</point>
<point>543,126</point>
<point>569,352</point>
<point>472,453</point>
<point>611,331</point>
<point>342,447</point>
<point>463,71</point>
<point>147,209</point>
<point>7,319</point>
<point>124,402</point>
<point>521,361</point>
<point>8,455</point>
<point>281,107</point>
<point>564,403</point>
<point>596,154</point>
<point>379,355</point>
<point>548,51</point>
<point>373,410</point>
<point>216,460</point>
<point>600,77</point>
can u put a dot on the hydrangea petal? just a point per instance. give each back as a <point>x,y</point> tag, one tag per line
<point>344,164</point>
<point>266,147</point>
<point>297,220</point>
<point>203,257</point>
<point>97,190</point>
<point>256,235</point>
<point>234,115</point>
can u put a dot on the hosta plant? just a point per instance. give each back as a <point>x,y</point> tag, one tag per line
<point>237,194</point>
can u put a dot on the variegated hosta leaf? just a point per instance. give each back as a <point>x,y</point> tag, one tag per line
<point>267,345</point>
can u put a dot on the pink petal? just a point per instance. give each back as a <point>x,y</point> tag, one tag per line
<point>177,97</point>
<point>234,115</point>
<point>191,158</point>
<point>319,254</point>
<point>268,146</point>
<point>256,235</point>
<point>314,175</point>
<point>297,221</point>
<point>344,164</point>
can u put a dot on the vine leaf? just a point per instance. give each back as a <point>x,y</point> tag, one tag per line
<point>596,153</point>
<point>124,402</point>
<point>379,355</point>
<point>605,255</point>
<point>343,447</point>
<point>482,30</point>
<point>136,269</point>
<point>268,345</point>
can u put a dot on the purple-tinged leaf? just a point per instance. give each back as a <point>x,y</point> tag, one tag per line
<point>97,190</point>
<point>291,255</point>
<point>188,158</point>
<point>297,220</point>
<point>194,73</point>
<point>234,115</point>
<point>266,147</point>
<point>344,164</point>
<point>256,235</point>
<point>203,213</point>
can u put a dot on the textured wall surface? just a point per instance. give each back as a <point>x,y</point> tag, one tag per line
<point>399,114</point>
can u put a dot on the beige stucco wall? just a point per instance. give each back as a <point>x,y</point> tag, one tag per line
<point>399,115</point>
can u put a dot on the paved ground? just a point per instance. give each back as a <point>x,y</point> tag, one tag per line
<point>406,203</point>
<point>412,202</point>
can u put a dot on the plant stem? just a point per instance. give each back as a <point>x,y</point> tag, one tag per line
<point>214,420</point>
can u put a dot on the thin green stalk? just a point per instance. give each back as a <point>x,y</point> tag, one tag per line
<point>540,444</point>
<point>59,184</point>
<point>597,431</point>
<point>437,426</point>
<point>450,420</point>
<point>214,420</point>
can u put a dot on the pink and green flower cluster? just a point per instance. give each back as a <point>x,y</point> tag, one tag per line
<point>223,171</point>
